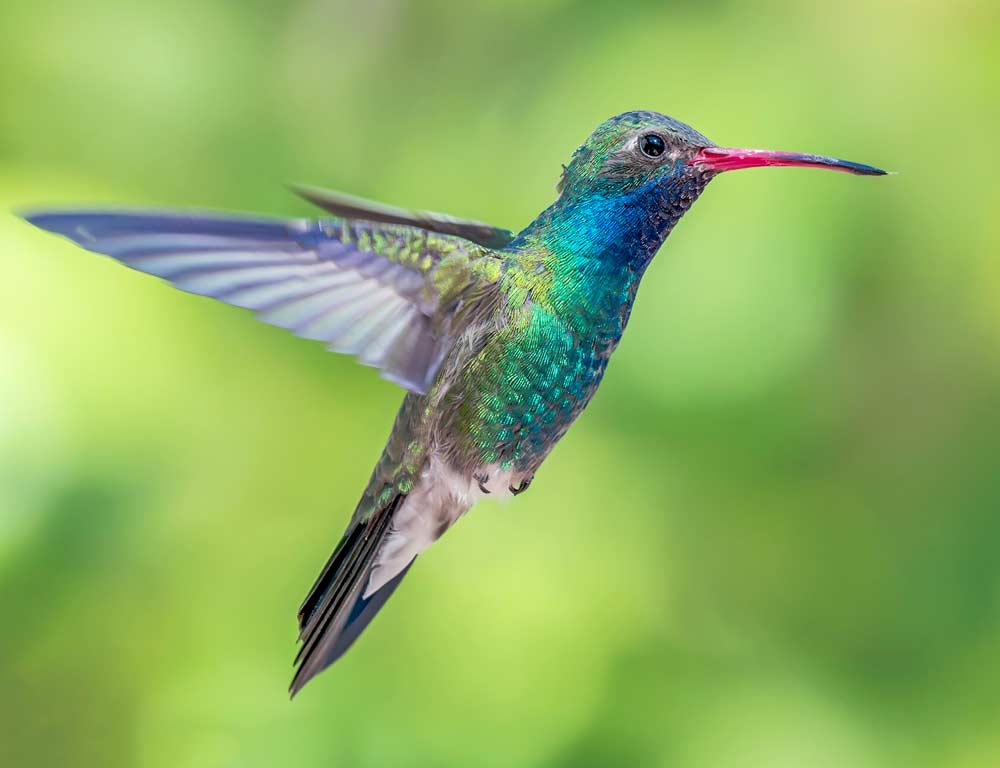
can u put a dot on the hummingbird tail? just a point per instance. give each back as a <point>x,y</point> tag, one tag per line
<point>337,610</point>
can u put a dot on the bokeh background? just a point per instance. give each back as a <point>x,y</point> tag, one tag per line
<point>772,540</point>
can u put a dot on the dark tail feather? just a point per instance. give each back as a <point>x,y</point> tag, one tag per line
<point>334,612</point>
<point>363,612</point>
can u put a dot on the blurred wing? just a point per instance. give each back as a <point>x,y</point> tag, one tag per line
<point>383,292</point>
<point>352,207</point>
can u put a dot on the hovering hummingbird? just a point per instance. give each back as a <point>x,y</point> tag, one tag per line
<point>499,339</point>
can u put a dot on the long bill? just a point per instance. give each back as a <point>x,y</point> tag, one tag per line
<point>734,158</point>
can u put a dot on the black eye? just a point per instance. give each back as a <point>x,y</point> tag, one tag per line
<point>652,145</point>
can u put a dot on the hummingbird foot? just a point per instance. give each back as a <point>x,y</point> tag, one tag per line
<point>482,480</point>
<point>521,488</point>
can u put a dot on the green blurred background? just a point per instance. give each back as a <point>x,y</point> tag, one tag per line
<point>772,540</point>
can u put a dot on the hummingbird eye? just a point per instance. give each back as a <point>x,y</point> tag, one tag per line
<point>652,145</point>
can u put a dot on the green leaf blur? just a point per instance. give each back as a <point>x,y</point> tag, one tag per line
<point>772,540</point>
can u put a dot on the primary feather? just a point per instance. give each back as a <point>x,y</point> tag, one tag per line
<point>364,288</point>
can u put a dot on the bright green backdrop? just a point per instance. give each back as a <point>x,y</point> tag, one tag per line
<point>773,539</point>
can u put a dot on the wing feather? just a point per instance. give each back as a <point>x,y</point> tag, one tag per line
<point>351,207</point>
<point>363,288</point>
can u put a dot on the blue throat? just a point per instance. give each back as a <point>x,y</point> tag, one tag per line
<point>607,234</point>
<point>597,247</point>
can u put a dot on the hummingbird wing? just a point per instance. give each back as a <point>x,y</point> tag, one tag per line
<point>351,207</point>
<point>393,295</point>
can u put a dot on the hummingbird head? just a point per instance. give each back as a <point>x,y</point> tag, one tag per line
<point>635,177</point>
<point>637,174</point>
<point>646,151</point>
<point>631,152</point>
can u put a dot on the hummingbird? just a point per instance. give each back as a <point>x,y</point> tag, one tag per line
<point>499,339</point>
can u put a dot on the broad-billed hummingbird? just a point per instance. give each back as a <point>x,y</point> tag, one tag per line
<point>499,339</point>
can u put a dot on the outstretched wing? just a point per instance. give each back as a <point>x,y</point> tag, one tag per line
<point>387,293</point>
<point>351,207</point>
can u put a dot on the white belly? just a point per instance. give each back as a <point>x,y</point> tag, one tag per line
<point>438,499</point>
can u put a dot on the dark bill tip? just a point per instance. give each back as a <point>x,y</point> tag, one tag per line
<point>734,158</point>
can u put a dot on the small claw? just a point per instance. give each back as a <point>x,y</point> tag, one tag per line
<point>521,488</point>
<point>482,483</point>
